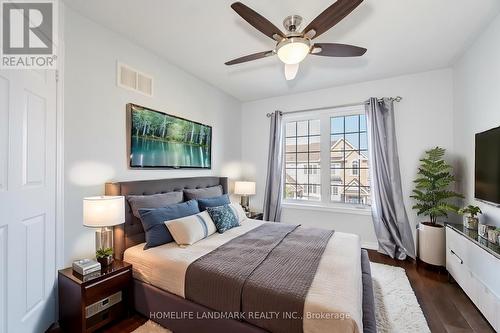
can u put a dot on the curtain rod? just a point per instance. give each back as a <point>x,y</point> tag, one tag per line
<point>394,99</point>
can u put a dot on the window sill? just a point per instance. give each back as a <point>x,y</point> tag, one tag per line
<point>341,209</point>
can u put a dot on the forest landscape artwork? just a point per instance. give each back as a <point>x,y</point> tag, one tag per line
<point>159,140</point>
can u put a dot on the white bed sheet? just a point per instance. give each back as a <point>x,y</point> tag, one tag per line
<point>334,300</point>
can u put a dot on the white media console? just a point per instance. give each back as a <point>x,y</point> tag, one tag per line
<point>475,265</point>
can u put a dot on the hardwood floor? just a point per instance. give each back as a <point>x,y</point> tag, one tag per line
<point>123,326</point>
<point>445,306</point>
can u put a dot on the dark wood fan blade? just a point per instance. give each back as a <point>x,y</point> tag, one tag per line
<point>331,16</point>
<point>337,50</point>
<point>250,57</point>
<point>256,20</point>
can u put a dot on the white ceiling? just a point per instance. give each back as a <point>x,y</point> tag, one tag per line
<point>402,36</point>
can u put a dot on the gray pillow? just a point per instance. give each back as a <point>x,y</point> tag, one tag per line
<point>153,201</point>
<point>202,193</point>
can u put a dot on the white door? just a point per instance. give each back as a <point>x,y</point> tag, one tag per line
<point>27,200</point>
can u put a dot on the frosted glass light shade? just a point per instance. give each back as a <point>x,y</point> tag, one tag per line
<point>293,50</point>
<point>103,211</point>
<point>244,188</point>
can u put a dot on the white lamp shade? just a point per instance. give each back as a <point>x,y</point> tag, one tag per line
<point>244,188</point>
<point>104,211</point>
<point>293,53</point>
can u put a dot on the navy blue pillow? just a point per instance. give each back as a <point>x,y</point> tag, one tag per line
<point>213,202</point>
<point>223,217</point>
<point>153,221</point>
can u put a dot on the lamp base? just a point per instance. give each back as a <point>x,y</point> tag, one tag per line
<point>245,202</point>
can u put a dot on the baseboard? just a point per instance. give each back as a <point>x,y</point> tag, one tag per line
<point>369,245</point>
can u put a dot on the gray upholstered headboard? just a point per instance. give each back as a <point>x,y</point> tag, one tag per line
<point>131,232</point>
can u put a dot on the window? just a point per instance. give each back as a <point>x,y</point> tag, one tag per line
<point>302,160</point>
<point>355,168</point>
<point>327,158</point>
<point>349,159</point>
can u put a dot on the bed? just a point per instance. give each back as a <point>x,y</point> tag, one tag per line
<point>341,284</point>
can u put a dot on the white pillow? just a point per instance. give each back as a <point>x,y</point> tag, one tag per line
<point>238,211</point>
<point>190,229</point>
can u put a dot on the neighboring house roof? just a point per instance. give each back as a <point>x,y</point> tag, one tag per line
<point>353,185</point>
<point>347,146</point>
<point>291,182</point>
<point>315,156</point>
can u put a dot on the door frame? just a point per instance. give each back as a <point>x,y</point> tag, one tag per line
<point>60,142</point>
<point>59,214</point>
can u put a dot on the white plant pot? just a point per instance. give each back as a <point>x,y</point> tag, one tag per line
<point>432,244</point>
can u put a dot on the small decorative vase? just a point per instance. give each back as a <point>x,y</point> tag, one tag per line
<point>493,236</point>
<point>105,261</point>
<point>471,222</point>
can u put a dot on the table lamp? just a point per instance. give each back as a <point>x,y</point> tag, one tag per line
<point>103,212</point>
<point>244,189</point>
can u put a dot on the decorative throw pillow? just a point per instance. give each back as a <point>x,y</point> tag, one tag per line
<point>153,221</point>
<point>201,193</point>
<point>190,229</point>
<point>239,212</point>
<point>153,201</point>
<point>223,217</point>
<point>213,202</point>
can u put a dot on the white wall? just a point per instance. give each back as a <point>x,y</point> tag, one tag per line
<point>95,150</point>
<point>423,120</point>
<point>477,106</point>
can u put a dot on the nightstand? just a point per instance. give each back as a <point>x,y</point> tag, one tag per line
<point>256,216</point>
<point>87,303</point>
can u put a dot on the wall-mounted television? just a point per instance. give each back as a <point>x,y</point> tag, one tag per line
<point>163,141</point>
<point>487,166</point>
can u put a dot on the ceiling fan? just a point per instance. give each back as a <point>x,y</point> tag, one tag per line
<point>294,46</point>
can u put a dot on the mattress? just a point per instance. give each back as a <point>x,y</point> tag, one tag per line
<point>334,300</point>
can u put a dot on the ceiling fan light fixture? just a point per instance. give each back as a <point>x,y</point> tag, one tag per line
<point>293,50</point>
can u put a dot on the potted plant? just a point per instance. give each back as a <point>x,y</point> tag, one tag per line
<point>104,256</point>
<point>470,213</point>
<point>433,195</point>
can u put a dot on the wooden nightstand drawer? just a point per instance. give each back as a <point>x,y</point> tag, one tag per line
<point>96,291</point>
<point>102,318</point>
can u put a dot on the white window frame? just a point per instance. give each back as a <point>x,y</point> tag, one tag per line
<point>325,204</point>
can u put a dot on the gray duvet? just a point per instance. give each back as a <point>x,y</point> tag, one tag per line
<point>262,276</point>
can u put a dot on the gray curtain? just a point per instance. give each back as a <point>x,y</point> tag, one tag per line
<point>388,211</point>
<point>274,191</point>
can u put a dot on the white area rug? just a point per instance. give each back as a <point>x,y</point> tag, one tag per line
<point>151,327</point>
<point>397,308</point>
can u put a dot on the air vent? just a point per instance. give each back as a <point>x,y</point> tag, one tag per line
<point>131,79</point>
<point>145,84</point>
